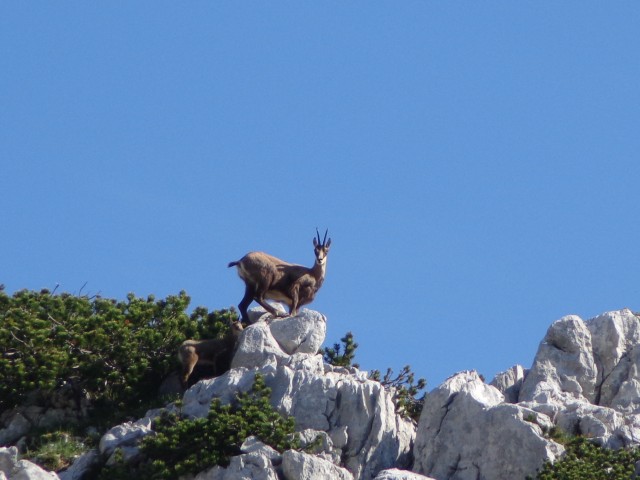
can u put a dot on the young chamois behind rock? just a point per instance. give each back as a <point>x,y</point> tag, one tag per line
<point>268,277</point>
<point>216,352</point>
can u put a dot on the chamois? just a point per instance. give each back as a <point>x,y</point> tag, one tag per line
<point>268,277</point>
<point>216,352</point>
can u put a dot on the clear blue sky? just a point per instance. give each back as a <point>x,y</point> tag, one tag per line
<point>476,163</point>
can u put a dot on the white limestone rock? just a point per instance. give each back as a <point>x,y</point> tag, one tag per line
<point>320,444</point>
<point>213,473</point>
<point>26,470</point>
<point>586,376</point>
<point>302,466</point>
<point>303,333</point>
<point>616,349</point>
<point>253,445</point>
<point>377,438</point>
<point>509,383</point>
<point>251,466</point>
<point>258,462</point>
<point>466,431</point>
<point>564,368</point>
<point>280,338</point>
<point>396,474</point>
<point>257,346</point>
<point>13,469</point>
<point>8,459</point>
<point>259,314</point>
<point>125,435</point>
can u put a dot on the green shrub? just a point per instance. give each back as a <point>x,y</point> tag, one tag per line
<point>183,446</point>
<point>584,460</point>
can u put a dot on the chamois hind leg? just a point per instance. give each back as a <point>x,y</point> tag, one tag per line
<point>244,304</point>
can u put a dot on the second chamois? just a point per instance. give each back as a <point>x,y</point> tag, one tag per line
<point>269,278</point>
<point>216,353</point>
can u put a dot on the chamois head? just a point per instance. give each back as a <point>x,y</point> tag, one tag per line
<point>321,249</point>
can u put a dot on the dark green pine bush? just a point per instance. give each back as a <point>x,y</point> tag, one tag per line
<point>584,460</point>
<point>342,355</point>
<point>116,352</point>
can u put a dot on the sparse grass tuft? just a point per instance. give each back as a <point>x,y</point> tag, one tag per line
<point>56,450</point>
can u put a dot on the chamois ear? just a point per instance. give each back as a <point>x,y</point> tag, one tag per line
<point>328,244</point>
<point>315,242</point>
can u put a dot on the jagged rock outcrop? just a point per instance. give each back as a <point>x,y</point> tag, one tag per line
<point>616,350</point>
<point>357,414</point>
<point>586,377</point>
<point>355,417</point>
<point>594,361</point>
<point>564,368</point>
<point>509,383</point>
<point>467,431</point>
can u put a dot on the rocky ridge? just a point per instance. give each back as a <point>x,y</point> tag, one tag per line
<point>584,380</point>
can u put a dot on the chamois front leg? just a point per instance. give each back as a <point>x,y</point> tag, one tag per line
<point>189,359</point>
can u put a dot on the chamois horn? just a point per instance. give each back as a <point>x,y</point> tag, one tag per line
<point>322,244</point>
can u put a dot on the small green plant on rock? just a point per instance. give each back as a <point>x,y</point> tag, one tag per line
<point>558,435</point>
<point>342,355</point>
<point>405,390</point>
